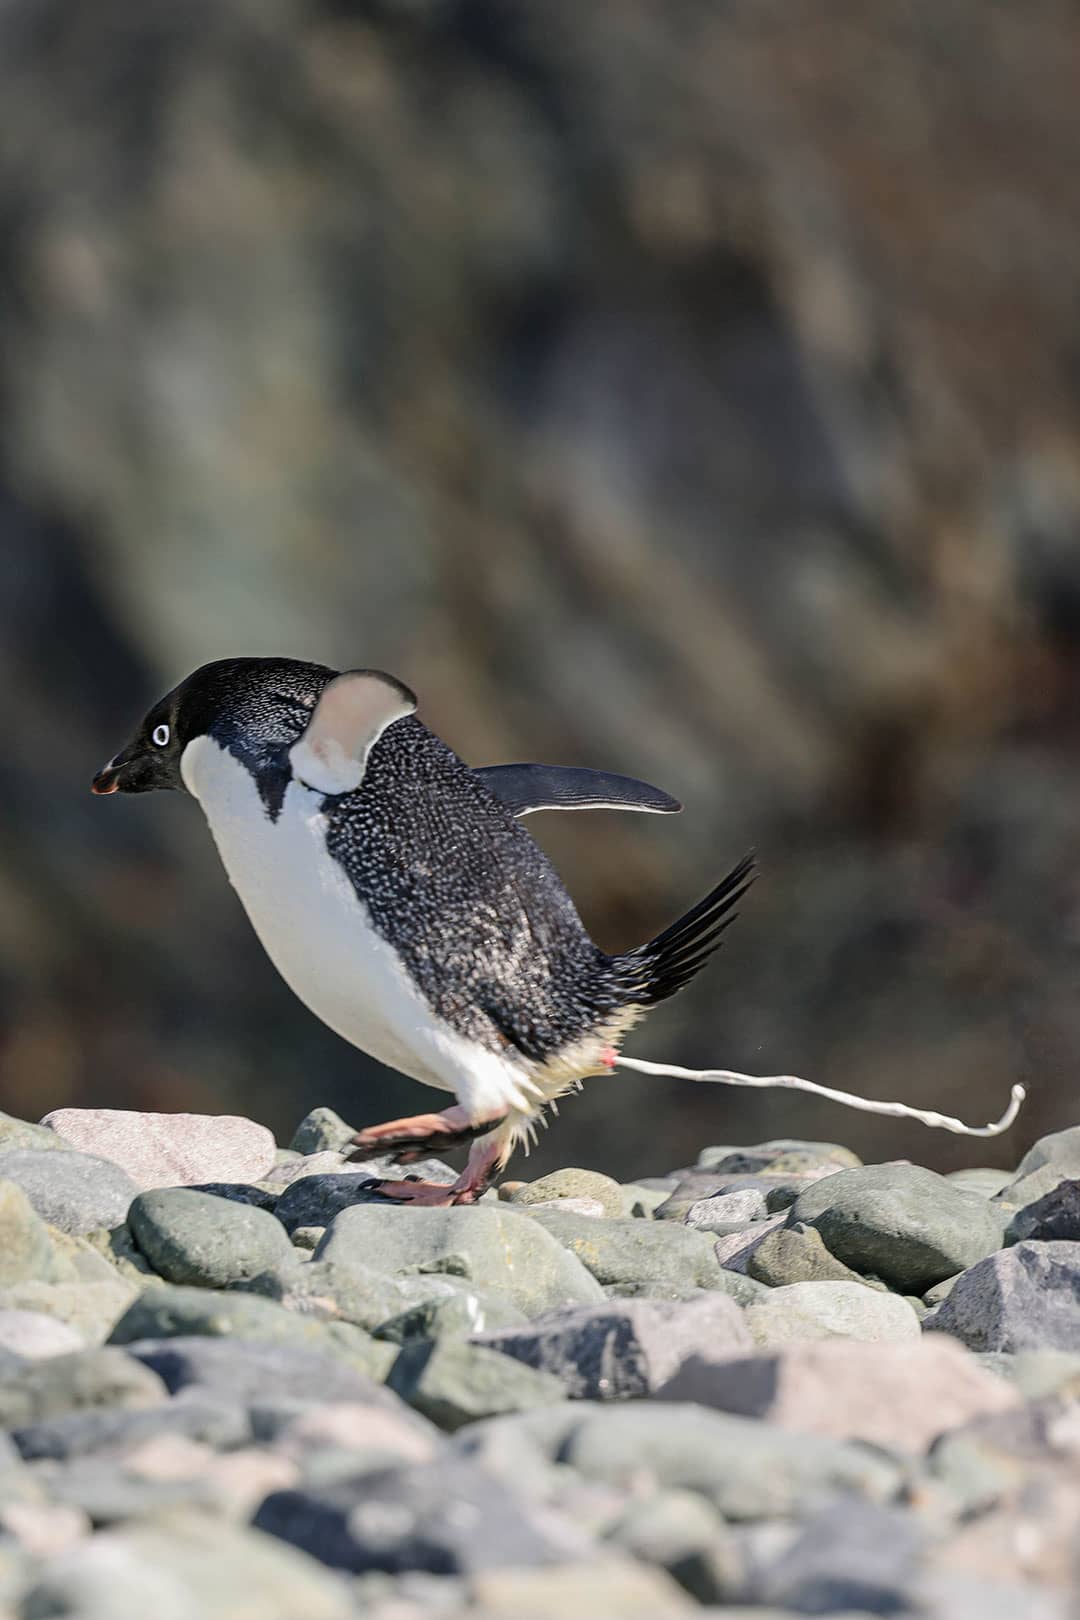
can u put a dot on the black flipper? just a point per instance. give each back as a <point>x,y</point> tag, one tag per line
<point>527,788</point>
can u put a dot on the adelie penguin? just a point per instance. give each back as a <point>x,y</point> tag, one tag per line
<point>397,893</point>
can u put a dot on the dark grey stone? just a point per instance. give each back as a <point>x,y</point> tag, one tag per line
<point>1053,1218</point>
<point>455,1382</point>
<point>71,1190</point>
<point>1048,1162</point>
<point>1023,1298</point>
<point>444,1518</point>
<point>625,1348</point>
<point>79,1434</point>
<point>854,1557</point>
<point>902,1223</point>
<point>321,1131</point>
<point>792,1254</point>
<point>257,1194</point>
<point>315,1200</point>
<point>192,1237</point>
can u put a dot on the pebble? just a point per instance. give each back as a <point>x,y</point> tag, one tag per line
<point>112,1431</point>
<point>20,1133</point>
<point>661,1259</point>
<point>192,1237</point>
<point>453,1382</point>
<point>900,1396</point>
<point>250,1372</point>
<point>26,1253</point>
<point>782,1155</point>
<point>320,1131</point>
<point>73,1191</point>
<point>489,1244</point>
<point>169,1150</point>
<point>626,1348</point>
<point>314,1200</point>
<point>101,1377</point>
<point>1023,1298</point>
<point>680,1532</point>
<point>91,1309</point>
<point>820,1310</point>
<point>574,1184</point>
<point>727,1212</point>
<point>1055,1217</point>
<point>1052,1159</point>
<point>34,1334</point>
<point>796,1253</point>
<point>902,1223</point>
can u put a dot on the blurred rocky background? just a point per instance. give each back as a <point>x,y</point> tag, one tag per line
<point>689,389</point>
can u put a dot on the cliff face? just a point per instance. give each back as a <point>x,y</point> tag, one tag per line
<point>690,390</point>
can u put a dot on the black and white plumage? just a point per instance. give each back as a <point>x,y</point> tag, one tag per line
<point>398,894</point>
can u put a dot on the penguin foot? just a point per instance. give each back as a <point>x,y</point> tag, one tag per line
<point>421,1134</point>
<point>431,1194</point>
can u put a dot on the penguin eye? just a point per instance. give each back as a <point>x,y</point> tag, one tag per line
<point>160,736</point>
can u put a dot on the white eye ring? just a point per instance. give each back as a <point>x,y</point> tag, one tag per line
<point>160,736</point>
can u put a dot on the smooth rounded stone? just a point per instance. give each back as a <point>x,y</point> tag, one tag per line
<point>316,1200</point>
<point>780,1156</point>
<point>682,1533</point>
<point>1049,1161</point>
<point>445,1517</point>
<point>307,1238</point>
<point>70,1383</point>
<point>1036,1373</point>
<point>395,1308</point>
<point>696,1186</point>
<point>191,1237</point>
<point>822,1310</point>
<point>900,1396</point>
<point>1023,1298</point>
<point>795,1254</point>
<point>169,1150</point>
<point>35,1334</point>
<point>662,1259</point>
<point>26,1253</point>
<point>852,1558</point>
<point>454,1382</point>
<point>572,1183</point>
<point>600,1589</point>
<point>20,1133</point>
<point>748,1470</point>
<point>489,1244</point>
<point>980,1179</point>
<point>194,1566</point>
<point>993,1458</point>
<point>92,1309</point>
<point>591,1208</point>
<point>168,1312</point>
<point>625,1348</point>
<point>322,1131</point>
<point>457,1314</point>
<point>260,1194</point>
<point>1055,1217</point>
<point>74,1191</point>
<point>249,1372</point>
<point>902,1223</point>
<point>727,1212</point>
<point>111,1431</point>
<point>110,1491</point>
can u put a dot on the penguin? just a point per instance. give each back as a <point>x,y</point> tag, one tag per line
<point>399,896</point>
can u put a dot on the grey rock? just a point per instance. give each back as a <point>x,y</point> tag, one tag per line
<point>72,1191</point>
<point>853,1557</point>
<point>325,1163</point>
<point>194,1567</point>
<point>981,1179</point>
<point>487,1244</point>
<point>169,1150</point>
<point>20,1133</point>
<point>428,1305</point>
<point>899,1396</point>
<point>682,1533</point>
<point>249,1372</point>
<point>34,1334</point>
<point>71,1383</point>
<point>457,1313</point>
<point>734,1252</point>
<point>599,1588</point>
<point>261,1195</point>
<point>592,1208</point>
<point>113,1432</point>
<point>449,1517</point>
<point>454,1382</point>
<point>171,1312</point>
<point>780,1156</point>
<point>1023,1298</point>
<point>191,1237</point>
<point>748,1470</point>
<point>1050,1160</point>
<point>626,1348</point>
<point>572,1183</point>
<point>792,1254</point>
<point>660,1258</point>
<point>307,1238</point>
<point>993,1457</point>
<point>940,1291</point>
<point>315,1200</point>
<point>821,1310</point>
<point>322,1131</point>
<point>641,1201</point>
<point>1035,1373</point>
<point>736,1285</point>
<point>92,1309</point>
<point>902,1223</point>
<point>25,1251</point>
<point>1055,1217</point>
<point>110,1492</point>
<point>727,1212</point>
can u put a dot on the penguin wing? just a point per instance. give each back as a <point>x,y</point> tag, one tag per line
<point>526,788</point>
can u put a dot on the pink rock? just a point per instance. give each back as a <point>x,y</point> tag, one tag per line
<point>735,1250</point>
<point>899,1395</point>
<point>169,1150</point>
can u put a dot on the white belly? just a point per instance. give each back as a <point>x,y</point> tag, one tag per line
<point>319,935</point>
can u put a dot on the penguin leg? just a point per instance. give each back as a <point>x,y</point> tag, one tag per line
<point>486,1155</point>
<point>421,1134</point>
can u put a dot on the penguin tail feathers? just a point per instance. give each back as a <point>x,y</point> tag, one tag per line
<point>656,970</point>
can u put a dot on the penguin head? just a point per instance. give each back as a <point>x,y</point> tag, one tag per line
<point>269,713</point>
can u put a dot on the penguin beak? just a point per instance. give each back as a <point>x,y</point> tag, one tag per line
<point>106,780</point>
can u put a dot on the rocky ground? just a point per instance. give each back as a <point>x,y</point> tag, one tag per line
<point>778,1382</point>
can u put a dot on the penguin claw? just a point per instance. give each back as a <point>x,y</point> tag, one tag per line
<point>431,1194</point>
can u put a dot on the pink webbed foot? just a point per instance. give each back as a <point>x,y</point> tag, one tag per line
<point>484,1158</point>
<point>412,1138</point>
